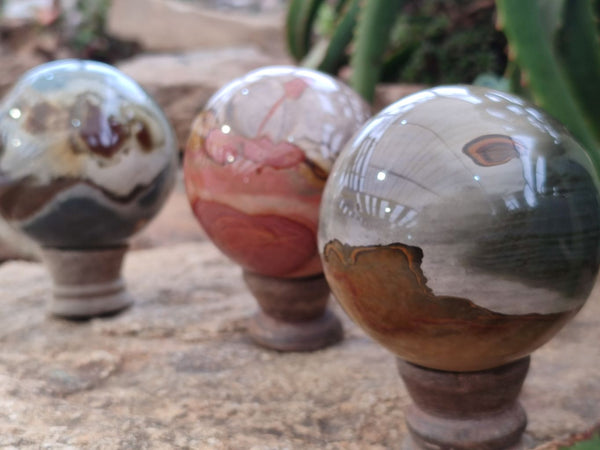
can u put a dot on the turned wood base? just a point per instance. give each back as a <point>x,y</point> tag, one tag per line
<point>86,283</point>
<point>294,315</point>
<point>465,410</point>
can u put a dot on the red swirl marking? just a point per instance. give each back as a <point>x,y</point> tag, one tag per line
<point>267,244</point>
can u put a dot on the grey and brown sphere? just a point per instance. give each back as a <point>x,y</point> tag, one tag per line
<point>461,228</point>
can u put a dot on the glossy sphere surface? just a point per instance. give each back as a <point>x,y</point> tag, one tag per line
<point>257,160</point>
<point>87,157</point>
<point>460,228</point>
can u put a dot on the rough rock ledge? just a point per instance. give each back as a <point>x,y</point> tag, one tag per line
<point>177,370</point>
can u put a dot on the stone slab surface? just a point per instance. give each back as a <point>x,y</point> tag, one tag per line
<point>178,371</point>
<point>176,25</point>
<point>174,224</point>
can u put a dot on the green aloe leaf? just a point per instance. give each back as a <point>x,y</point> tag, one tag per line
<point>299,24</point>
<point>542,68</point>
<point>335,55</point>
<point>374,23</point>
<point>592,444</point>
<point>551,16</point>
<point>579,50</point>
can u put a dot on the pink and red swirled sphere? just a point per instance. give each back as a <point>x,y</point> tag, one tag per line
<point>257,160</point>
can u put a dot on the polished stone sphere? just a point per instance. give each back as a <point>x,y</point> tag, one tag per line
<point>87,158</point>
<point>461,227</point>
<point>257,160</point>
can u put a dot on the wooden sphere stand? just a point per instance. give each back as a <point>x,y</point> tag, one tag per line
<point>86,282</point>
<point>465,410</point>
<point>293,315</point>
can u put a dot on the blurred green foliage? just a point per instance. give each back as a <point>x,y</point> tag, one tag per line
<point>553,45</point>
<point>445,41</point>
<point>90,31</point>
<point>591,444</point>
<point>417,41</point>
<point>85,33</point>
<point>555,61</point>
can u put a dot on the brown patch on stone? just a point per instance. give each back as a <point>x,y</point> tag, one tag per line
<point>39,117</point>
<point>22,199</point>
<point>491,150</point>
<point>144,137</point>
<point>102,133</point>
<point>385,291</point>
<point>317,171</point>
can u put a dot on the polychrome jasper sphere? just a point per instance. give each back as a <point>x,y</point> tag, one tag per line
<point>461,228</point>
<point>87,157</point>
<point>256,163</point>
